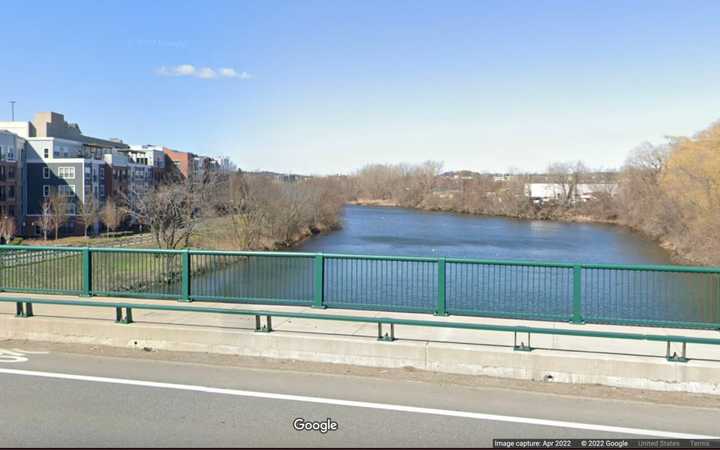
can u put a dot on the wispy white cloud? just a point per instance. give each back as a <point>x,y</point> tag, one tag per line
<point>232,73</point>
<point>206,73</point>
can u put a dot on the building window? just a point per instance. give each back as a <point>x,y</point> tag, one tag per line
<point>46,172</point>
<point>2,194</point>
<point>46,153</point>
<point>11,211</point>
<point>67,190</point>
<point>46,190</point>
<point>11,191</point>
<point>11,172</point>
<point>67,173</point>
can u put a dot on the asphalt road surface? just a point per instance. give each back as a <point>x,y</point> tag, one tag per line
<point>68,399</point>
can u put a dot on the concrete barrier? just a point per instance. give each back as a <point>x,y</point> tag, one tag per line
<point>565,359</point>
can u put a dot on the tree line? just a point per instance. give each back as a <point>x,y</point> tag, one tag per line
<point>670,192</point>
<point>219,210</point>
<point>235,211</point>
<point>56,209</point>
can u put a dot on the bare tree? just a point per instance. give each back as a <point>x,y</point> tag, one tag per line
<point>89,212</point>
<point>112,216</point>
<point>558,175</point>
<point>376,181</point>
<point>173,210</point>
<point>7,228</point>
<point>265,212</point>
<point>59,206</point>
<point>642,201</point>
<point>404,184</point>
<point>248,218</point>
<point>46,217</point>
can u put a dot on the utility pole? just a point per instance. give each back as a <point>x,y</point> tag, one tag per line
<point>12,110</point>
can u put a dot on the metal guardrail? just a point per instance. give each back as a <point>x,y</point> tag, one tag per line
<point>123,314</point>
<point>646,295</point>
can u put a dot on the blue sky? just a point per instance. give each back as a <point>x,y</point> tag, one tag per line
<point>328,86</point>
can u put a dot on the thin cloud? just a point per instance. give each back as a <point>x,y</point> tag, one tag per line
<point>232,73</point>
<point>205,73</point>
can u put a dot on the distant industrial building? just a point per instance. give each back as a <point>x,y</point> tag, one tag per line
<point>548,192</point>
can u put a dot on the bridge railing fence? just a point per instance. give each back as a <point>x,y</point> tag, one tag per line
<point>523,290</point>
<point>670,296</point>
<point>250,277</point>
<point>41,270</point>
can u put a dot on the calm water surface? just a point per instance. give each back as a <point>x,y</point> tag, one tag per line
<point>399,231</point>
<point>491,289</point>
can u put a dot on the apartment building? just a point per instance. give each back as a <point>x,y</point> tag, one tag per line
<point>59,158</point>
<point>225,165</point>
<point>12,149</point>
<point>141,178</point>
<point>179,163</point>
<point>189,165</point>
<point>49,154</point>
<point>78,179</point>
<point>117,179</point>
<point>135,171</point>
<point>150,155</point>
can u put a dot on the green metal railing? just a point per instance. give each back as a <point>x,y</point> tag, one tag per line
<point>671,296</point>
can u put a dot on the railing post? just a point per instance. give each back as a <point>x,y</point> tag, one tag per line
<point>577,295</point>
<point>3,258</point>
<point>87,272</point>
<point>717,297</point>
<point>319,282</point>
<point>441,300</point>
<point>185,275</point>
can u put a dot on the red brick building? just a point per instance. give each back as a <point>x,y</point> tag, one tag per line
<point>188,164</point>
<point>179,162</point>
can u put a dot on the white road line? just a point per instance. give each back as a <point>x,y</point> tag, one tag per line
<point>28,352</point>
<point>359,404</point>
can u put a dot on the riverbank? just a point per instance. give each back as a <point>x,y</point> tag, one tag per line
<point>568,216</point>
<point>215,236</point>
<point>299,238</point>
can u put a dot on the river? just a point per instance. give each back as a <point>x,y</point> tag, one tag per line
<point>407,232</point>
<point>606,294</point>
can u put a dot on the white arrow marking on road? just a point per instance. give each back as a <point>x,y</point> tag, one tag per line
<point>8,356</point>
<point>358,404</point>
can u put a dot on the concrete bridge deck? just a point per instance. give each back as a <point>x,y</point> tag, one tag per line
<point>613,362</point>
